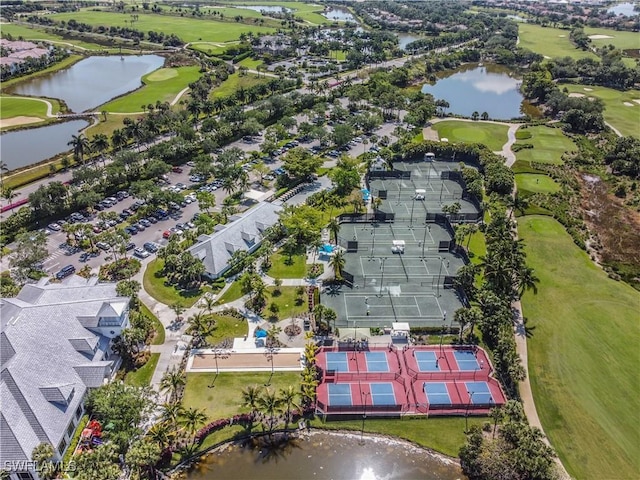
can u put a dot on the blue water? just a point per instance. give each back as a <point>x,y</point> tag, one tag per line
<point>623,9</point>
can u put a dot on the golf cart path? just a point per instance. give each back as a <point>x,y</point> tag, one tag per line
<point>47,102</point>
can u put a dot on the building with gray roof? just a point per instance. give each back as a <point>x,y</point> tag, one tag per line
<point>242,233</point>
<point>56,343</point>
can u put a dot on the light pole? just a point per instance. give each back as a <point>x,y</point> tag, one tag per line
<point>440,275</point>
<point>382,260</point>
<point>413,204</point>
<point>373,244</point>
<point>269,354</point>
<point>466,415</point>
<point>444,325</point>
<point>424,237</point>
<point>364,416</point>
<point>441,188</point>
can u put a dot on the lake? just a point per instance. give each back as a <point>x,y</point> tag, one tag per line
<point>25,147</point>
<point>405,39</point>
<point>339,14</point>
<point>475,88</point>
<point>263,8</point>
<point>623,9</point>
<point>93,81</point>
<point>325,455</point>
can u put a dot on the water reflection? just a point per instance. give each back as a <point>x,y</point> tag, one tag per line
<point>626,8</point>
<point>339,14</point>
<point>264,8</point>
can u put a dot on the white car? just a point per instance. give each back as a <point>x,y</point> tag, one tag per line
<point>54,226</point>
<point>141,252</point>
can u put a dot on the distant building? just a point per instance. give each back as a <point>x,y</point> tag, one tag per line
<point>242,233</point>
<point>56,343</point>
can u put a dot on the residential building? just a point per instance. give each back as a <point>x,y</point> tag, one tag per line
<point>56,343</point>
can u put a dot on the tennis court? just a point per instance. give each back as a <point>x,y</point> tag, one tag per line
<point>337,361</point>
<point>466,360</point>
<point>340,394</point>
<point>479,393</point>
<point>427,361</point>
<point>437,393</point>
<point>382,394</point>
<point>376,361</point>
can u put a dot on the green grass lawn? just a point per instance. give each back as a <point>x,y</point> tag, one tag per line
<point>158,338</point>
<point>620,39</point>
<point>208,48</point>
<point>490,134</point>
<point>29,107</point>
<point>225,398</point>
<point>444,434</point>
<point>286,301</point>
<point>67,62</point>
<point>281,269</point>
<point>583,355</point>
<point>234,292</point>
<point>228,327</point>
<point>535,183</point>
<point>550,42</point>
<point>338,55</point>
<point>35,33</point>
<point>250,63</point>
<point>235,81</point>
<point>625,118</point>
<point>548,145</point>
<point>168,295</point>
<point>187,28</point>
<point>142,376</point>
<point>163,84</point>
<point>306,11</point>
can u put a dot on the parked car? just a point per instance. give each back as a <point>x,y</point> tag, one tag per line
<point>151,247</point>
<point>176,170</point>
<point>145,222</point>
<point>54,226</point>
<point>130,246</point>
<point>65,272</point>
<point>85,257</point>
<point>152,220</point>
<point>166,234</point>
<point>103,246</point>
<point>140,253</point>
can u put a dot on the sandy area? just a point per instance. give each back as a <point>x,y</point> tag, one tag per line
<point>562,36</point>
<point>586,89</point>
<point>21,120</point>
<point>637,100</point>
<point>599,37</point>
<point>576,95</point>
<point>429,133</point>
<point>245,360</point>
<point>627,104</point>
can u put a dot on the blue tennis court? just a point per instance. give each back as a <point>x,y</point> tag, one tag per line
<point>480,393</point>
<point>337,361</point>
<point>437,393</point>
<point>466,360</point>
<point>340,394</point>
<point>382,394</point>
<point>377,362</point>
<point>427,361</point>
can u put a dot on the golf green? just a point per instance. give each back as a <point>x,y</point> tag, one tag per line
<point>583,355</point>
<point>548,145</point>
<point>533,183</point>
<point>492,135</point>
<point>550,42</point>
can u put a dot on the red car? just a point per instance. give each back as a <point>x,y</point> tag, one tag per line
<point>166,234</point>
<point>176,170</point>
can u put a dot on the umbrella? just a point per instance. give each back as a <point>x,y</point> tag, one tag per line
<point>261,333</point>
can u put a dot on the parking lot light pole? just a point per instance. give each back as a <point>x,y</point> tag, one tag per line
<point>364,416</point>
<point>424,237</point>
<point>382,260</point>
<point>413,204</point>
<point>466,415</point>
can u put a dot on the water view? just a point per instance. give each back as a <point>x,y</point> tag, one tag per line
<point>626,8</point>
<point>405,39</point>
<point>93,81</point>
<point>25,147</point>
<point>339,14</point>
<point>263,8</point>
<point>327,456</point>
<point>473,88</point>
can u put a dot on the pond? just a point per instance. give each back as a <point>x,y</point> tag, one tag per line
<point>475,88</point>
<point>626,8</point>
<point>264,8</point>
<point>325,455</point>
<point>405,39</point>
<point>93,81</point>
<point>25,147</point>
<point>339,14</point>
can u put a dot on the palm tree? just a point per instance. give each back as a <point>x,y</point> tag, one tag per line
<point>80,145</point>
<point>172,381</point>
<point>201,327</point>
<point>272,334</point>
<point>337,262</point>
<point>288,398</point>
<point>250,397</point>
<point>163,434</point>
<point>192,420</point>
<point>334,229</point>
<point>475,115</point>
<point>178,309</point>
<point>209,303</point>
<point>100,144</point>
<point>527,280</point>
<point>171,413</point>
<point>42,454</point>
<point>270,404</point>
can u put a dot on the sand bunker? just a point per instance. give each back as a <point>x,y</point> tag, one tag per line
<point>576,95</point>
<point>588,89</point>
<point>562,36</point>
<point>547,57</point>
<point>627,104</point>
<point>599,37</point>
<point>21,120</point>
<point>637,100</point>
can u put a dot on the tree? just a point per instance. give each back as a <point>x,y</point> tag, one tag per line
<point>250,396</point>
<point>270,404</point>
<point>43,455</point>
<point>288,397</point>
<point>334,229</point>
<point>30,251</point>
<point>475,115</point>
<point>142,455</point>
<point>342,134</point>
<point>206,200</point>
<point>193,419</point>
<point>337,263</point>
<point>300,164</point>
<point>101,463</point>
<point>80,145</point>
<point>178,308</point>
<point>172,381</point>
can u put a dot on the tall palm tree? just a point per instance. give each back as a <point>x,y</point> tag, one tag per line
<point>527,280</point>
<point>172,381</point>
<point>201,327</point>
<point>334,229</point>
<point>270,404</point>
<point>288,399</point>
<point>192,419</point>
<point>337,262</point>
<point>250,397</point>
<point>99,145</point>
<point>209,303</point>
<point>163,434</point>
<point>80,145</point>
<point>171,413</point>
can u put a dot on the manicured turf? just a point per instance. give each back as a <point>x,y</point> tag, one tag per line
<point>235,81</point>
<point>163,84</point>
<point>250,63</point>
<point>287,303</point>
<point>168,295</point>
<point>234,292</point>
<point>280,268</point>
<point>228,327</point>
<point>29,33</point>
<point>533,183</point>
<point>142,376</point>
<point>158,338</point>
<point>225,398</point>
<point>188,29</point>
<point>113,122</point>
<point>305,11</point>
<point>621,40</point>
<point>550,42</point>
<point>624,117</point>
<point>583,355</point>
<point>548,145</point>
<point>29,107</point>
<point>492,135</point>
<point>208,48</point>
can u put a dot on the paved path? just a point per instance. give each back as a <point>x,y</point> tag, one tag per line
<point>49,105</point>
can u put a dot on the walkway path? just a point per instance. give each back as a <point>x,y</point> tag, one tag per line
<point>47,102</point>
